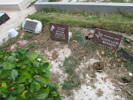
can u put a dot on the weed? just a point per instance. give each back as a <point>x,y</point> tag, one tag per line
<point>127,79</point>
<point>77,35</point>
<point>70,64</point>
<point>109,53</point>
<point>71,61</point>
<point>90,46</point>
<point>27,36</point>
<point>69,70</point>
<point>127,41</point>
<point>129,65</point>
<point>32,45</point>
<point>72,82</point>
<point>6,44</point>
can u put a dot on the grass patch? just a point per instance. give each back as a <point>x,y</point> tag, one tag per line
<point>28,36</point>
<point>78,36</point>
<point>71,61</point>
<point>73,81</point>
<point>70,64</point>
<point>129,65</point>
<point>117,22</point>
<point>9,42</point>
<point>32,45</point>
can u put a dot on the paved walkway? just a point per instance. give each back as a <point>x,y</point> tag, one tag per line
<point>16,18</point>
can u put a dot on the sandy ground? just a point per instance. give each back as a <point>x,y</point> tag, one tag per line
<point>16,18</point>
<point>57,61</point>
<point>101,89</point>
<point>96,85</point>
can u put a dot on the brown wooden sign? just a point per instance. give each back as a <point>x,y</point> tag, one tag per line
<point>59,32</point>
<point>107,38</point>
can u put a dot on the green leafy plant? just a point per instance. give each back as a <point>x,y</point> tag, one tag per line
<point>78,36</point>
<point>28,36</point>
<point>25,75</point>
<point>126,40</point>
<point>73,81</point>
<point>32,45</point>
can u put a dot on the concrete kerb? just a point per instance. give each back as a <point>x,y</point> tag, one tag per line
<point>86,6</point>
<point>14,5</point>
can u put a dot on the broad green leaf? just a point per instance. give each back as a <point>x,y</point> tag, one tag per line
<point>36,64</point>
<point>8,66</point>
<point>20,88</point>
<point>5,74</point>
<point>43,94</point>
<point>35,86</point>
<point>14,74</point>
<point>11,98</point>
<point>25,77</point>
<point>11,59</point>
<point>52,86</point>
<point>54,94</point>
<point>32,56</point>
<point>45,67</point>
<point>3,91</point>
<point>4,85</point>
<point>42,80</point>
<point>23,95</point>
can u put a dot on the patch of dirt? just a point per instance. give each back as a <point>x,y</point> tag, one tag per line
<point>61,54</point>
<point>88,92</point>
<point>94,85</point>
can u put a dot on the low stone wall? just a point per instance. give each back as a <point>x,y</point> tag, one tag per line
<point>84,6</point>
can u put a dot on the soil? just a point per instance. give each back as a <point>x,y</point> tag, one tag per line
<point>104,85</point>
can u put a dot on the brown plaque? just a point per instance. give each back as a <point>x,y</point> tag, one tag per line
<point>59,32</point>
<point>107,38</point>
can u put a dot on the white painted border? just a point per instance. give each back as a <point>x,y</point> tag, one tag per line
<point>101,7</point>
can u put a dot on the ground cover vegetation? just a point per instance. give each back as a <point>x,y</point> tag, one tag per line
<point>121,22</point>
<point>81,50</point>
<point>26,75</point>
